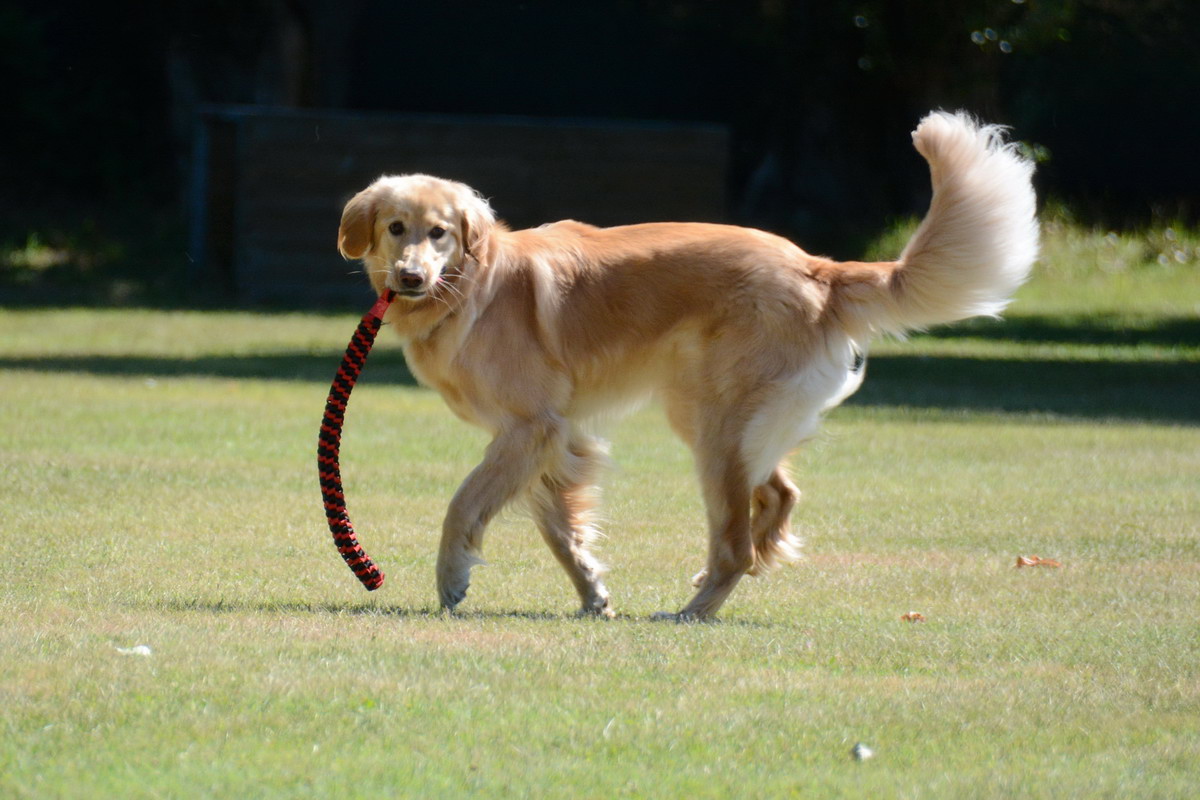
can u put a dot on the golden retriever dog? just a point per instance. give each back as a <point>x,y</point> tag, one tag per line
<point>745,339</point>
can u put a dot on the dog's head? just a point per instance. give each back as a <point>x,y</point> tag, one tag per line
<point>415,234</point>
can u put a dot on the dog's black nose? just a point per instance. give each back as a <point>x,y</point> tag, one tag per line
<point>410,278</point>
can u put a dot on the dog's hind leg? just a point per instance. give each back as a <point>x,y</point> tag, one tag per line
<point>771,505</point>
<point>770,522</point>
<point>562,501</point>
<point>730,546</point>
<point>739,443</point>
<point>727,492</point>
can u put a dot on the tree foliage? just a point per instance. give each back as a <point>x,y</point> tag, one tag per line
<point>819,93</point>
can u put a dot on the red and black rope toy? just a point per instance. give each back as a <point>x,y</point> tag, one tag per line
<point>330,440</point>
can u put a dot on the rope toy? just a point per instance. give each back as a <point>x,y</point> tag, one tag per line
<point>330,440</point>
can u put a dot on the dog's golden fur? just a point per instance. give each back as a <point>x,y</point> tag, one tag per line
<point>744,337</point>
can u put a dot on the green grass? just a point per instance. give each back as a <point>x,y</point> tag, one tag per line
<point>160,490</point>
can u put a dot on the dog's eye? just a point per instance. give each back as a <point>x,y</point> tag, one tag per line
<point>396,228</point>
<point>437,233</point>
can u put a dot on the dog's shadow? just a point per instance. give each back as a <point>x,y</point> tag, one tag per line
<point>428,613</point>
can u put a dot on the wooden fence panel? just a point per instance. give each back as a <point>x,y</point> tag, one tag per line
<point>269,185</point>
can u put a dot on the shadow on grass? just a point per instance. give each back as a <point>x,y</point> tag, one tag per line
<point>401,612</point>
<point>1153,391</point>
<point>386,367</point>
<point>1150,390</point>
<point>1095,329</point>
<point>343,608</point>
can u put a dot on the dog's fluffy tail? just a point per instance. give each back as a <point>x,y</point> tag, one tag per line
<point>975,246</point>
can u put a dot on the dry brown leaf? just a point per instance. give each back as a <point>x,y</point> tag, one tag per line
<point>913,616</point>
<point>1036,561</point>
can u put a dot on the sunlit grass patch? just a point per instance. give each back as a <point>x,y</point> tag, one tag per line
<point>1089,271</point>
<point>161,491</point>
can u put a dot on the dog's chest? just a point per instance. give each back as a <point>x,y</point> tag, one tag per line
<point>433,364</point>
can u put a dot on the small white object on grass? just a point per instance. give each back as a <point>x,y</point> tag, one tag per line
<point>139,650</point>
<point>608,728</point>
<point>861,752</point>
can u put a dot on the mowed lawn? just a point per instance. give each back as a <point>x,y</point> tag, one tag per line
<point>159,490</point>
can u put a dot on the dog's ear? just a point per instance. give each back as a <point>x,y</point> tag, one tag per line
<point>477,223</point>
<point>356,235</point>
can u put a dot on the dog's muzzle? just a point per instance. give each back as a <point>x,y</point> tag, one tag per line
<point>408,281</point>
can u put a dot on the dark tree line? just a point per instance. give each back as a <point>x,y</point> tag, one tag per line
<point>818,93</point>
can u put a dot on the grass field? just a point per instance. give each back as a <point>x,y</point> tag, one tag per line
<point>160,490</point>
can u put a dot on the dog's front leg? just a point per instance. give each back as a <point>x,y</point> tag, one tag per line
<point>561,501</point>
<point>512,461</point>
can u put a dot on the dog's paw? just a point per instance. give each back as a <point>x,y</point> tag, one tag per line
<point>699,577</point>
<point>599,609</point>
<point>453,578</point>
<point>451,595</point>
